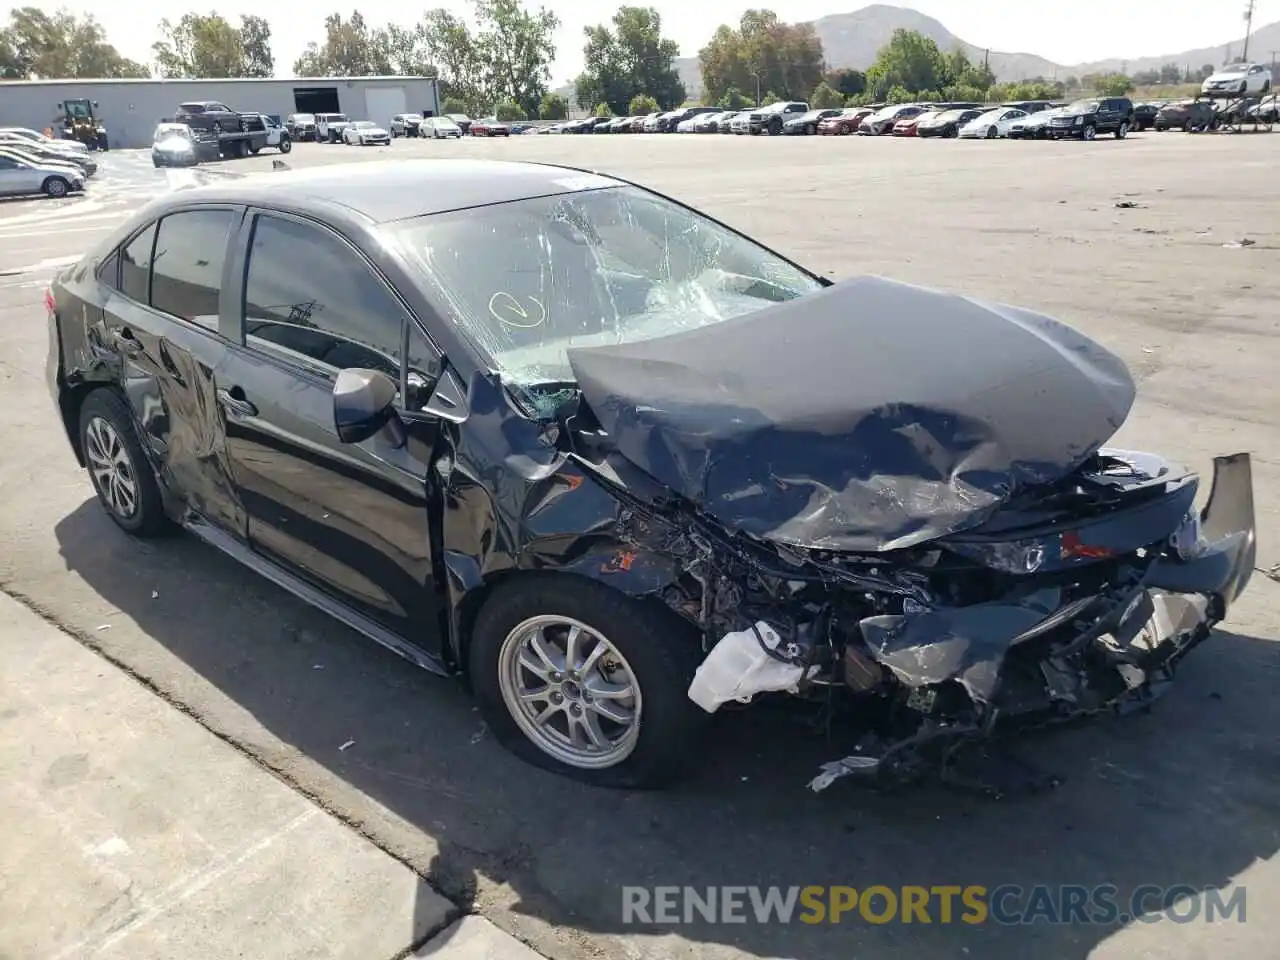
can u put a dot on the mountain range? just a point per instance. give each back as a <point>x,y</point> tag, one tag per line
<point>852,40</point>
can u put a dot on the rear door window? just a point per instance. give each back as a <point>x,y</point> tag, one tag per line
<point>190,252</point>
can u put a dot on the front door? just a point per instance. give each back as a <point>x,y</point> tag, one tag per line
<point>162,320</point>
<point>350,518</point>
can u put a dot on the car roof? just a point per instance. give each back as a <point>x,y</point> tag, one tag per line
<point>386,190</point>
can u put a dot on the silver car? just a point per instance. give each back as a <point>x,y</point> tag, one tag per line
<point>24,173</point>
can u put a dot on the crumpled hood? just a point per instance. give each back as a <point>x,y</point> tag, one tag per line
<point>868,416</point>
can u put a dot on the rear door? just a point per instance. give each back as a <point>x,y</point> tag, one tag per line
<point>352,519</point>
<point>163,319</point>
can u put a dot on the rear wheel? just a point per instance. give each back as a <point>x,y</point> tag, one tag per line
<point>579,679</point>
<point>118,468</point>
<point>55,187</point>
<point>992,133</point>
<point>1122,131</point>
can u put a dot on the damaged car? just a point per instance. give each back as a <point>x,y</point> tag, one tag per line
<point>619,465</point>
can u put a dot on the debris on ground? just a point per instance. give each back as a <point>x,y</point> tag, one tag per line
<point>1130,205</point>
<point>1237,244</point>
<point>347,746</point>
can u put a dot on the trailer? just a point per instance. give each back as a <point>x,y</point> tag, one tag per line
<point>1242,114</point>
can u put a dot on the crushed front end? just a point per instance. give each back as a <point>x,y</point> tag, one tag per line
<point>1075,600</point>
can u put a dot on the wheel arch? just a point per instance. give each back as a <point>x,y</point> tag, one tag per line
<point>71,398</point>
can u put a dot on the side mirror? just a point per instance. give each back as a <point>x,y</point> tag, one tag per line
<point>95,104</point>
<point>363,404</point>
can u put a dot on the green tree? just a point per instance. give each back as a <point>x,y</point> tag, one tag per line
<point>453,105</point>
<point>956,69</point>
<point>629,58</point>
<point>909,60</point>
<point>849,83</point>
<point>450,46</point>
<point>1113,85</point>
<point>39,45</point>
<point>602,110</point>
<point>762,53</point>
<point>825,96</point>
<point>553,107</point>
<point>509,111</point>
<point>899,94</point>
<point>733,100</point>
<point>963,93</point>
<point>206,45</point>
<point>514,49</point>
<point>641,105</point>
<point>350,49</point>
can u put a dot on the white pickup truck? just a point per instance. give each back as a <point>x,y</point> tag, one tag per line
<point>329,127</point>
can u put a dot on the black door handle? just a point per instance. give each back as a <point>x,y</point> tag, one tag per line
<point>236,406</point>
<point>126,342</point>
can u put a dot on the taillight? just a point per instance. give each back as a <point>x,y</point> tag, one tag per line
<point>50,305</point>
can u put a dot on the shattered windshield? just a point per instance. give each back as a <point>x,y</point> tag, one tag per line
<point>527,280</point>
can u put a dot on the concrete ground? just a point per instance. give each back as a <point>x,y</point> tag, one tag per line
<point>1184,796</point>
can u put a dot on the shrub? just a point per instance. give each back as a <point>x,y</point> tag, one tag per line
<point>642,104</point>
<point>510,112</point>
<point>602,110</point>
<point>453,105</point>
<point>553,107</point>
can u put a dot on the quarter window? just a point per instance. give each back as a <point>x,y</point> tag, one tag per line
<point>135,265</point>
<point>186,275</point>
<point>311,299</point>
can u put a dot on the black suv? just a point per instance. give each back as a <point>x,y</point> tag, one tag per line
<point>1085,119</point>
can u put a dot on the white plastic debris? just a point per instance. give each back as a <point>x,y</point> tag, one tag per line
<point>833,771</point>
<point>347,746</point>
<point>738,667</point>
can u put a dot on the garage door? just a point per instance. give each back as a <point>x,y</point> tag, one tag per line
<point>383,103</point>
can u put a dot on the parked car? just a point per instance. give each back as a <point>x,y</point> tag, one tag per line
<point>725,123</point>
<point>845,122</point>
<point>365,133</point>
<point>586,125</point>
<point>519,129</point>
<point>301,126</point>
<point>687,125</point>
<point>1238,79</point>
<point>462,120</point>
<point>770,119</point>
<point>908,126</point>
<point>667,122</point>
<point>806,124</point>
<point>83,162</point>
<point>329,127</point>
<point>1085,119</point>
<point>992,123</point>
<point>707,122</point>
<point>1188,115</point>
<point>1144,116</point>
<point>57,144</point>
<point>406,124</point>
<point>1034,126</point>
<point>945,123</point>
<point>440,128</point>
<point>881,122</point>
<point>211,115</point>
<point>534,500</point>
<point>489,127</point>
<point>618,125</point>
<point>24,173</point>
<point>1030,106</point>
<point>1265,111</point>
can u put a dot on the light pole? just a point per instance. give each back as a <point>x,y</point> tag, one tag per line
<point>1248,29</point>
<point>757,76</point>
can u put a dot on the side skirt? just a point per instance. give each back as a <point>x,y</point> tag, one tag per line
<point>317,598</point>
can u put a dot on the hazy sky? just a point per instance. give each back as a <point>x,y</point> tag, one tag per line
<point>1081,31</point>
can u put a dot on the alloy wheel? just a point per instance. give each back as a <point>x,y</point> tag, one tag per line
<point>112,470</point>
<point>571,692</point>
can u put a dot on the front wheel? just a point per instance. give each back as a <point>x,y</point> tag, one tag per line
<point>286,144</point>
<point>579,679</point>
<point>118,468</point>
<point>810,130</point>
<point>55,187</point>
<point>992,133</point>
<point>775,129</point>
<point>1123,130</point>
<point>1090,132</point>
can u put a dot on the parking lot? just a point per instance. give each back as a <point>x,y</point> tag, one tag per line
<point>1164,247</point>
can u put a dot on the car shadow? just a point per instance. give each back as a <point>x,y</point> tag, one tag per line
<point>1182,796</point>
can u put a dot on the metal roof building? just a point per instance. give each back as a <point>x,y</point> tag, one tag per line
<point>130,109</point>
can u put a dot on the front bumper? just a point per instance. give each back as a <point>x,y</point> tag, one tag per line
<point>166,158</point>
<point>1035,660</point>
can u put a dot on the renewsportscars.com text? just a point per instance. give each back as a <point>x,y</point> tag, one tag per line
<point>942,904</point>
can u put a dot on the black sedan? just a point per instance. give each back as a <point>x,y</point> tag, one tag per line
<point>621,465</point>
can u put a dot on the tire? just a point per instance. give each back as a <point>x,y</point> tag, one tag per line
<point>992,133</point>
<point>55,187</point>
<point>1122,131</point>
<point>254,150</point>
<point>1090,132</point>
<point>1266,86</point>
<point>657,649</point>
<point>810,130</point>
<point>1187,125</point>
<point>216,128</point>
<point>286,144</point>
<point>147,518</point>
<point>775,128</point>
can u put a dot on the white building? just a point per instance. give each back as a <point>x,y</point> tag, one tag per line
<point>130,109</point>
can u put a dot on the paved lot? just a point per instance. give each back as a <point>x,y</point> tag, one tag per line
<point>1185,795</point>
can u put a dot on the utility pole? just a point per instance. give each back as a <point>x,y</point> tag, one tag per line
<point>1248,29</point>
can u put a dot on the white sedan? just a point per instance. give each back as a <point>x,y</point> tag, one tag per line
<point>992,124</point>
<point>52,143</point>
<point>440,128</point>
<point>1237,80</point>
<point>24,173</point>
<point>364,132</point>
